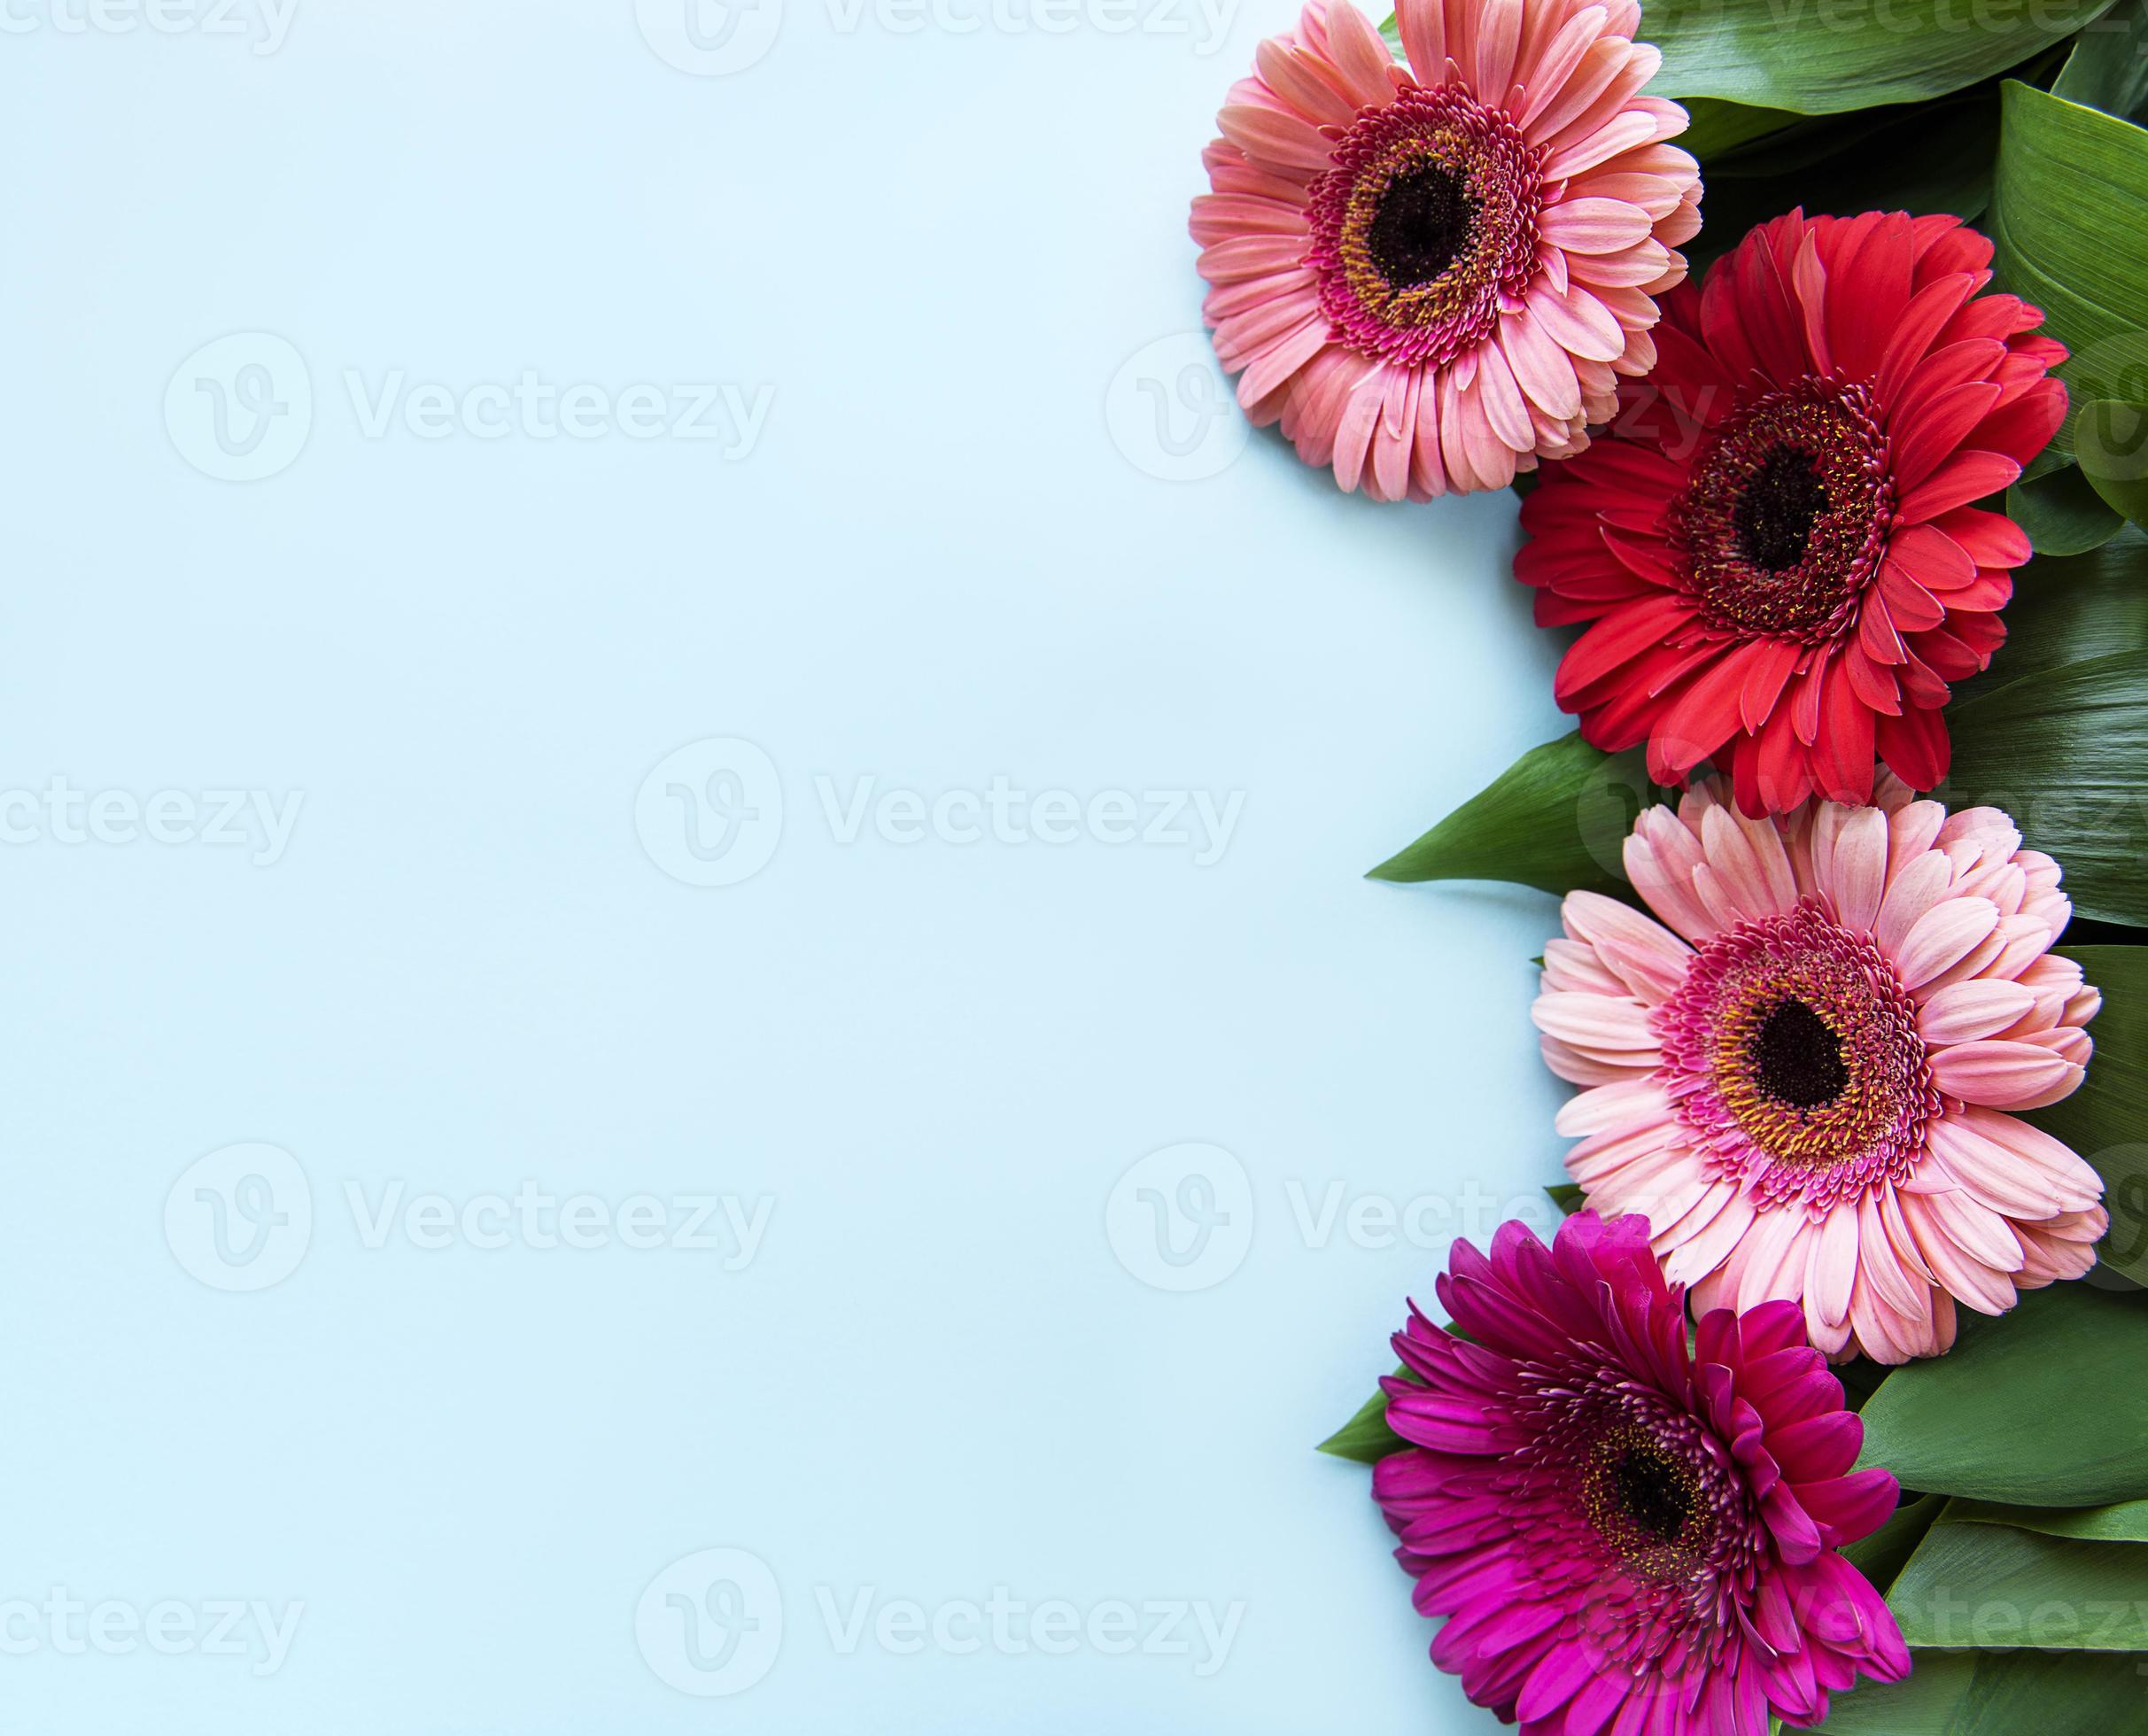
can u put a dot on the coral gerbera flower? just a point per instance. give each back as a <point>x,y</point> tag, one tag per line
<point>1626,1535</point>
<point>1431,275</point>
<point>1777,544</point>
<point>1804,1081</point>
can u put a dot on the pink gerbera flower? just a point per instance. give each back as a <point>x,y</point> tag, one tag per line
<point>1804,1081</point>
<point>1628,1535</point>
<point>1779,543</point>
<point>1432,275</point>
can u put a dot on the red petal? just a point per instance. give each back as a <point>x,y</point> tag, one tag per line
<point>1842,758</point>
<point>1916,747</point>
<point>1968,475</point>
<point>1617,639</point>
<point>1931,557</point>
<point>1988,538</point>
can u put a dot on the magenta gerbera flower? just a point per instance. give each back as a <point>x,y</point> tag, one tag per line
<point>1433,275</point>
<point>1629,1537</point>
<point>1806,1081</point>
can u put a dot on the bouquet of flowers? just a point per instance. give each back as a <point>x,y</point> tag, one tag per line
<point>1816,339</point>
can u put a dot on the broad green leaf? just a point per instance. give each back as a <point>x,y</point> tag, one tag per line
<point>1973,1586</point>
<point>2108,67</point>
<point>2106,1119</point>
<point>1924,157</point>
<point>1882,1557</point>
<point>1556,819</point>
<point>1366,1437</point>
<point>2062,512</point>
<point>2111,446</point>
<point>2124,1522</point>
<point>1718,128</point>
<point>1566,1197</point>
<point>2043,1408</point>
<point>2000,1693</point>
<point>1822,57</point>
<point>2064,752</point>
<point>2065,610</point>
<point>2066,217</point>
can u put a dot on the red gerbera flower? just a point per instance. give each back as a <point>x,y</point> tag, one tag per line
<point>1777,541</point>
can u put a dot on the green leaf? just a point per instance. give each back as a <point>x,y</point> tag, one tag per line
<point>1919,158</point>
<point>2046,1407</point>
<point>2064,752</point>
<point>2062,512</point>
<point>2111,445</point>
<point>1366,1437</point>
<point>1980,1585</point>
<point>2066,215</point>
<point>1720,127</point>
<point>1995,1694</point>
<point>1882,1557</point>
<point>2065,610</point>
<point>2123,1521</point>
<point>2106,1119</point>
<point>1556,819</point>
<point>1823,57</point>
<point>1566,1197</point>
<point>2108,68</point>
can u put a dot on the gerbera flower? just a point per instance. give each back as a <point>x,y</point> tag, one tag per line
<point>1777,544</point>
<point>1804,1081</point>
<point>1431,275</point>
<point>1627,1535</point>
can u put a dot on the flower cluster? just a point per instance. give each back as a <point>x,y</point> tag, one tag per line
<point>1771,507</point>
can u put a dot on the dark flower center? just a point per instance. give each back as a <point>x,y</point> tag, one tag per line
<point>1425,225</point>
<point>1796,1058</point>
<point>1791,1050</point>
<point>1774,517</point>
<point>1652,1494</point>
<point>1783,521</point>
<point>1424,219</point>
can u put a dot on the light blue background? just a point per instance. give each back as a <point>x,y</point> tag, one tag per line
<point>938,249</point>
